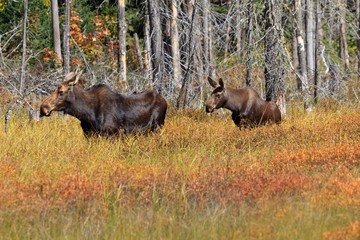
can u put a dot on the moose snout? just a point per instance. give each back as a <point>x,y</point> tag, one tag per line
<point>209,109</point>
<point>44,111</point>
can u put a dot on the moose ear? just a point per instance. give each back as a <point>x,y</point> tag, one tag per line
<point>69,77</point>
<point>221,83</point>
<point>213,83</point>
<point>75,79</point>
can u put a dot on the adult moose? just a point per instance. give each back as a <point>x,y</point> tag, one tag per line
<point>104,112</point>
<point>248,109</point>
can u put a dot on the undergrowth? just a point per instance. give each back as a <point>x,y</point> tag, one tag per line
<point>198,177</point>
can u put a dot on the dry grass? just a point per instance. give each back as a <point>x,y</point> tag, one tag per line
<point>199,177</point>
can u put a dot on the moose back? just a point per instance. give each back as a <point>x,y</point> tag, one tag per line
<point>248,109</point>
<point>104,112</point>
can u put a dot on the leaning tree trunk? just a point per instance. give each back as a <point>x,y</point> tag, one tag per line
<point>156,43</point>
<point>274,72</point>
<point>56,30</point>
<point>66,42</point>
<point>23,58</point>
<point>122,41</point>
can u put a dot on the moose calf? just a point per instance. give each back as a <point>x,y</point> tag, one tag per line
<point>248,109</point>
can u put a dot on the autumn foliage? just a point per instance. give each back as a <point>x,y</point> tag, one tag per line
<point>197,163</point>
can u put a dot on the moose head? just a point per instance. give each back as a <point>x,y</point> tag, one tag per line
<point>58,101</point>
<point>218,96</point>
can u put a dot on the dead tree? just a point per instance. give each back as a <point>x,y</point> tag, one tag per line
<point>274,72</point>
<point>156,44</point>
<point>66,37</point>
<point>23,58</point>
<point>56,29</point>
<point>122,41</point>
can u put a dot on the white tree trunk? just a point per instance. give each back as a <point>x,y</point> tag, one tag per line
<point>174,33</point>
<point>56,29</point>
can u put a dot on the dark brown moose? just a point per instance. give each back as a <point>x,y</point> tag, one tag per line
<point>104,112</point>
<point>248,109</point>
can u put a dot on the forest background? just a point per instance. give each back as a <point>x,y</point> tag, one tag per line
<point>199,177</point>
<point>286,50</point>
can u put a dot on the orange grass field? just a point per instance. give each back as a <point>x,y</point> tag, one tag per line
<point>199,177</point>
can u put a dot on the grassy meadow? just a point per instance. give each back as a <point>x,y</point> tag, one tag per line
<point>199,177</point>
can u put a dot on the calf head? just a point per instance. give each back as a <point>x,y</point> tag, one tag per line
<point>218,97</point>
<point>59,99</point>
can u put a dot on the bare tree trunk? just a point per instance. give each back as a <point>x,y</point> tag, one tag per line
<point>274,72</point>
<point>156,43</point>
<point>344,55</point>
<point>310,48</point>
<point>188,62</point>
<point>249,42</point>
<point>316,49</point>
<point>239,42</point>
<point>66,36</point>
<point>195,35</point>
<point>211,55</point>
<point>147,43</point>
<point>295,54</point>
<point>207,38</point>
<point>56,29</point>
<point>175,54</point>
<point>227,40</point>
<point>138,51</point>
<point>23,58</point>
<point>122,40</point>
<point>302,54</point>
<point>358,33</point>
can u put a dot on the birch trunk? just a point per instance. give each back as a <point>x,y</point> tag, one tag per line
<point>122,40</point>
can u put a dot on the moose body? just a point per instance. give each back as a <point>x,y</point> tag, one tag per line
<point>248,109</point>
<point>104,112</point>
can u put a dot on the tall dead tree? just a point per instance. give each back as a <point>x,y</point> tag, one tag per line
<point>358,34</point>
<point>56,29</point>
<point>249,42</point>
<point>66,37</point>
<point>138,51</point>
<point>175,49</point>
<point>122,40</point>
<point>23,58</point>
<point>239,42</point>
<point>310,48</point>
<point>207,38</point>
<point>156,43</point>
<point>344,55</point>
<point>316,73</point>
<point>295,55</point>
<point>147,43</point>
<point>274,72</point>
<point>303,76</point>
<point>195,42</point>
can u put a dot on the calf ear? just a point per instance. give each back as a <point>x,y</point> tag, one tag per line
<point>69,77</point>
<point>213,83</point>
<point>221,83</point>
